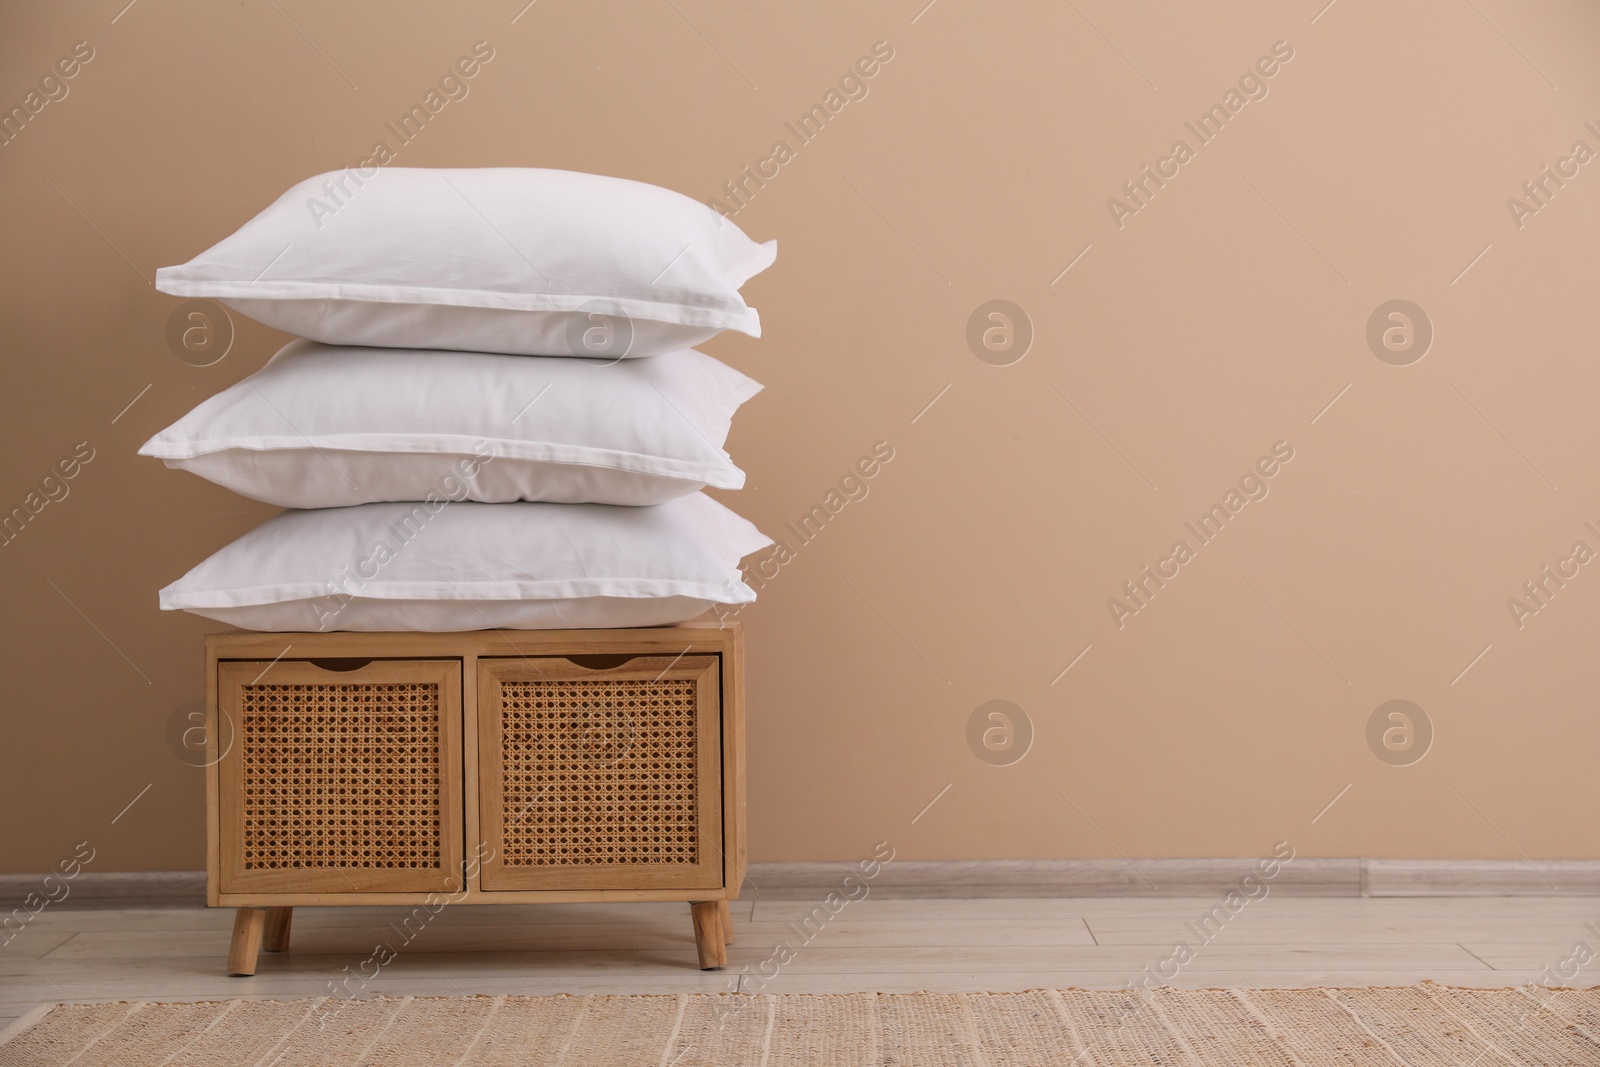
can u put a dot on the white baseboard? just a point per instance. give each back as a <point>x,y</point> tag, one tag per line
<point>111,889</point>
<point>1058,878</point>
<point>1480,878</point>
<point>1306,877</point>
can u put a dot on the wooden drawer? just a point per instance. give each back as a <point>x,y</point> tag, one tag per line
<point>601,772</point>
<point>340,781</point>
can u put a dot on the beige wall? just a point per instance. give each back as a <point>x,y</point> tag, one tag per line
<point>1219,319</point>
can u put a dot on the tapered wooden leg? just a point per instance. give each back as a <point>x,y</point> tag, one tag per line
<point>725,917</point>
<point>276,938</point>
<point>708,935</point>
<point>248,924</point>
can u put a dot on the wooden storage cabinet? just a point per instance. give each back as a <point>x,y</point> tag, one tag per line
<point>484,768</point>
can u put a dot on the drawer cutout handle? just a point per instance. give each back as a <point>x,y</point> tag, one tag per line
<point>601,662</point>
<point>343,666</point>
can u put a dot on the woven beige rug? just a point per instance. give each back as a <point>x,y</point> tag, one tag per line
<point>1415,1027</point>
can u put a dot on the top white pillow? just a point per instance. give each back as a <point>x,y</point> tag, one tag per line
<point>509,260</point>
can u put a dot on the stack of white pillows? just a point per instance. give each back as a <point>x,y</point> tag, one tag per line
<point>496,417</point>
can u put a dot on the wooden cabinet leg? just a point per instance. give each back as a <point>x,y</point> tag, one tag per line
<point>725,917</point>
<point>276,938</point>
<point>708,935</point>
<point>248,924</point>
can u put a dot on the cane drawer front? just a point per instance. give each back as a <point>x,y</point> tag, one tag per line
<point>340,780</point>
<point>603,776</point>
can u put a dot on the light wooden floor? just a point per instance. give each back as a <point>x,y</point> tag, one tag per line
<point>73,953</point>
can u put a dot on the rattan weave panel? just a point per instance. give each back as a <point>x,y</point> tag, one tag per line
<point>599,772</point>
<point>340,775</point>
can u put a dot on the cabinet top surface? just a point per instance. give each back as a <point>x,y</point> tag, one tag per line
<point>686,637</point>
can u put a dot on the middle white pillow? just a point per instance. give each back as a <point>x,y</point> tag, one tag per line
<point>323,426</point>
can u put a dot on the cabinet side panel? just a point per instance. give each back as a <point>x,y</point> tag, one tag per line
<point>734,734</point>
<point>213,755</point>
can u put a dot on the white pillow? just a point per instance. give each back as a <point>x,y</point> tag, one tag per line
<point>322,427</point>
<point>467,566</point>
<point>513,260</point>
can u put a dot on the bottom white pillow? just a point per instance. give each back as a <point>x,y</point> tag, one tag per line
<point>447,565</point>
<point>440,616</point>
